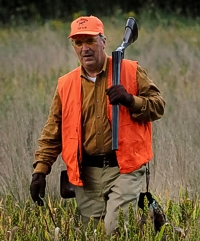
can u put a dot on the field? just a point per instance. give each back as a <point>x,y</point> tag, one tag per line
<point>34,56</point>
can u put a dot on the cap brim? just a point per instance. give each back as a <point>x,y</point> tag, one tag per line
<point>84,32</point>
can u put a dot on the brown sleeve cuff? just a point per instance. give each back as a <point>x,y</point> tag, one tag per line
<point>137,104</point>
<point>41,167</point>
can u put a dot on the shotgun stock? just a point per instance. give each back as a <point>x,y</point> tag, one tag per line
<point>130,35</point>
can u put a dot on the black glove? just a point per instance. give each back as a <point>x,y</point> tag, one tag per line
<point>118,95</point>
<point>37,188</point>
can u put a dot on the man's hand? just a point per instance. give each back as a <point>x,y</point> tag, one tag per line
<point>118,95</point>
<point>37,188</point>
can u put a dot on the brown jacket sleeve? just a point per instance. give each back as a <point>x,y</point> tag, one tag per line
<point>50,142</point>
<point>148,104</point>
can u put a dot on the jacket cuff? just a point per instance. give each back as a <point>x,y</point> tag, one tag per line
<point>136,105</point>
<point>41,167</point>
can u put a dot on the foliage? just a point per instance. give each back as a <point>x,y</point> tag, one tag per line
<point>59,220</point>
<point>23,10</point>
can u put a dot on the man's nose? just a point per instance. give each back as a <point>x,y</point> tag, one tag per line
<point>85,46</point>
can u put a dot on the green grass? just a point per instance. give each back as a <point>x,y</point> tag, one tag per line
<point>58,220</point>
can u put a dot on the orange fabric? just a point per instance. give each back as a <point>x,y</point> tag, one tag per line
<point>69,89</point>
<point>86,25</point>
<point>135,139</point>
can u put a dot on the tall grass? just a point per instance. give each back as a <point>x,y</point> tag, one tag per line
<point>33,57</point>
<point>58,220</point>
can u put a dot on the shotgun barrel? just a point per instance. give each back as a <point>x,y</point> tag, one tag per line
<point>130,35</point>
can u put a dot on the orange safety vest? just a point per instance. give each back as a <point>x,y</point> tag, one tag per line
<point>135,138</point>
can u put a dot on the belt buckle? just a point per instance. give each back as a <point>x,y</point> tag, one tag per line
<point>105,161</point>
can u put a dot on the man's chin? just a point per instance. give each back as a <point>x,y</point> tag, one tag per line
<point>88,63</point>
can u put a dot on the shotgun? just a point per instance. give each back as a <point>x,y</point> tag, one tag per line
<point>130,35</point>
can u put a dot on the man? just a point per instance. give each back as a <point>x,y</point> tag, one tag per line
<point>79,126</point>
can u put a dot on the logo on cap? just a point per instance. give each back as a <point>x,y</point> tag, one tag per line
<point>81,23</point>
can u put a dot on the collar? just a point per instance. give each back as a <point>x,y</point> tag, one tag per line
<point>83,72</point>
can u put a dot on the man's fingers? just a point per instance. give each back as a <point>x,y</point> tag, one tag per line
<point>35,195</point>
<point>34,192</point>
<point>114,88</point>
<point>40,202</point>
<point>114,95</point>
<point>42,190</point>
<point>114,98</point>
<point>37,188</point>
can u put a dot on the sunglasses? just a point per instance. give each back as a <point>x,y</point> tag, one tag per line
<point>89,41</point>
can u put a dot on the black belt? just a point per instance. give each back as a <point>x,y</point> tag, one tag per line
<point>100,160</point>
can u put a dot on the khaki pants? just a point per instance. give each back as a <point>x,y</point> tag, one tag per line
<point>104,191</point>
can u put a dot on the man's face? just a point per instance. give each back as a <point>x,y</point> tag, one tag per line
<point>90,50</point>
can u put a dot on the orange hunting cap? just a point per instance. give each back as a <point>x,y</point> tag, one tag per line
<point>86,25</point>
